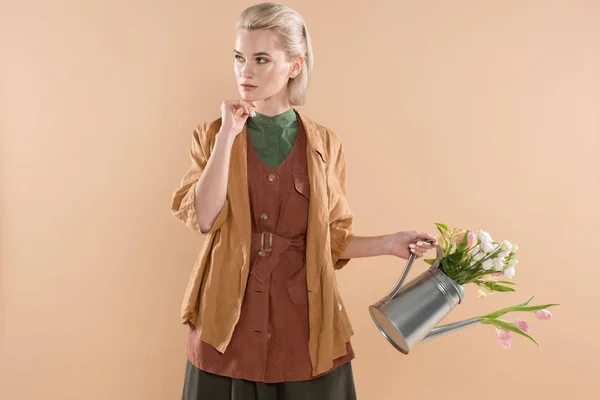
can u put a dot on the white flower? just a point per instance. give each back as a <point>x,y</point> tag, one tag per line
<point>503,254</point>
<point>512,262</point>
<point>487,264</point>
<point>484,237</point>
<point>507,246</point>
<point>498,264</point>
<point>509,272</point>
<point>488,247</point>
<point>478,256</point>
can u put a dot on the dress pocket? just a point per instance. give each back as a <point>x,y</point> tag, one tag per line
<point>297,284</point>
<point>298,293</point>
<point>302,185</point>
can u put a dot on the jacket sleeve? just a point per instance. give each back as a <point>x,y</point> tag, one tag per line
<point>340,215</point>
<point>182,205</point>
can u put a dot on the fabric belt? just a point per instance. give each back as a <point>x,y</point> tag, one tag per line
<point>271,246</point>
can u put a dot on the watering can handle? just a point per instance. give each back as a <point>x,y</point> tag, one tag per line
<point>411,258</point>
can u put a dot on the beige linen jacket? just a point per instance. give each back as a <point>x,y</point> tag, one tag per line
<point>214,294</point>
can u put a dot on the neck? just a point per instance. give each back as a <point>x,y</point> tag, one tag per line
<point>275,105</point>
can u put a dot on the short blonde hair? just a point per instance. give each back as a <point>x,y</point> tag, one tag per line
<point>293,39</point>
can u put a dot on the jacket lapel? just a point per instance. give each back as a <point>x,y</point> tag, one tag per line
<point>318,216</point>
<point>237,187</point>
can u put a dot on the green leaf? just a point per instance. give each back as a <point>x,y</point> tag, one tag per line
<point>535,308</point>
<point>525,303</point>
<point>463,243</point>
<point>508,326</point>
<point>455,258</point>
<point>498,288</point>
<point>507,282</point>
<point>429,261</point>
<point>441,231</point>
<point>441,226</point>
<point>518,308</point>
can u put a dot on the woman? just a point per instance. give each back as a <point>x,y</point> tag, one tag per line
<point>267,185</point>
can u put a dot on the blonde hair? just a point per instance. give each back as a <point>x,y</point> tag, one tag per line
<point>293,39</point>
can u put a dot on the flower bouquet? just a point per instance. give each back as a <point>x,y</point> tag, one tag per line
<point>474,257</point>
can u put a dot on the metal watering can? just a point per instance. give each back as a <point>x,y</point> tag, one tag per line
<point>409,315</point>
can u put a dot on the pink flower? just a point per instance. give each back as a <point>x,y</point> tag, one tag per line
<point>470,239</point>
<point>543,314</point>
<point>504,337</point>
<point>522,325</point>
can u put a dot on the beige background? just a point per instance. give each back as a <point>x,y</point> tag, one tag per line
<point>479,114</point>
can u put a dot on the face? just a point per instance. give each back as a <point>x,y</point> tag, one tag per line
<point>259,62</point>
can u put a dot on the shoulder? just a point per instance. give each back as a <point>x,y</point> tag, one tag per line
<point>327,142</point>
<point>328,137</point>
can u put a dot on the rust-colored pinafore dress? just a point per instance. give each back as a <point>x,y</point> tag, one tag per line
<point>270,341</point>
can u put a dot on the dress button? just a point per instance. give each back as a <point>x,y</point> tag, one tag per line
<point>264,216</point>
<point>262,253</point>
<point>272,177</point>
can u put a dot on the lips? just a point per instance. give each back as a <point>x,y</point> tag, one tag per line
<point>247,85</point>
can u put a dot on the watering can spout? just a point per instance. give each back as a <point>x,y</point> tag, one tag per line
<point>449,328</point>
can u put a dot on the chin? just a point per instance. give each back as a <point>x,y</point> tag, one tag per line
<point>249,96</point>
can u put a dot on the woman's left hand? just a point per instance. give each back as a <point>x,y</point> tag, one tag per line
<point>401,244</point>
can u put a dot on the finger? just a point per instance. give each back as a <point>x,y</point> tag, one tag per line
<point>239,112</point>
<point>249,103</point>
<point>416,252</point>
<point>242,110</point>
<point>249,109</point>
<point>236,105</point>
<point>426,236</point>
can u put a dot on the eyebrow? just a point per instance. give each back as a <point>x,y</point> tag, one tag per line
<point>261,53</point>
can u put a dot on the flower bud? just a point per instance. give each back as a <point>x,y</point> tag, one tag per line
<point>543,314</point>
<point>504,337</point>
<point>522,325</point>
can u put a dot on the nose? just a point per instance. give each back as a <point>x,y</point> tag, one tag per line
<point>246,71</point>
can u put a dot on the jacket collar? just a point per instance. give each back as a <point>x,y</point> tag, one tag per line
<point>314,139</point>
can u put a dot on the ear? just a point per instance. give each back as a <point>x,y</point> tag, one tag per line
<point>297,67</point>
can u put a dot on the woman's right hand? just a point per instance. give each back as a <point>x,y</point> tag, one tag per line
<point>232,124</point>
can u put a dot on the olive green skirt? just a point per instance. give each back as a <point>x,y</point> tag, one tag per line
<point>200,385</point>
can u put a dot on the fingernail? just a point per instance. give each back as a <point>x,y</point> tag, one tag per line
<point>419,243</point>
<point>412,245</point>
<point>253,113</point>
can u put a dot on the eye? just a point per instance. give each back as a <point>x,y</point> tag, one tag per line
<point>261,58</point>
<point>239,58</point>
